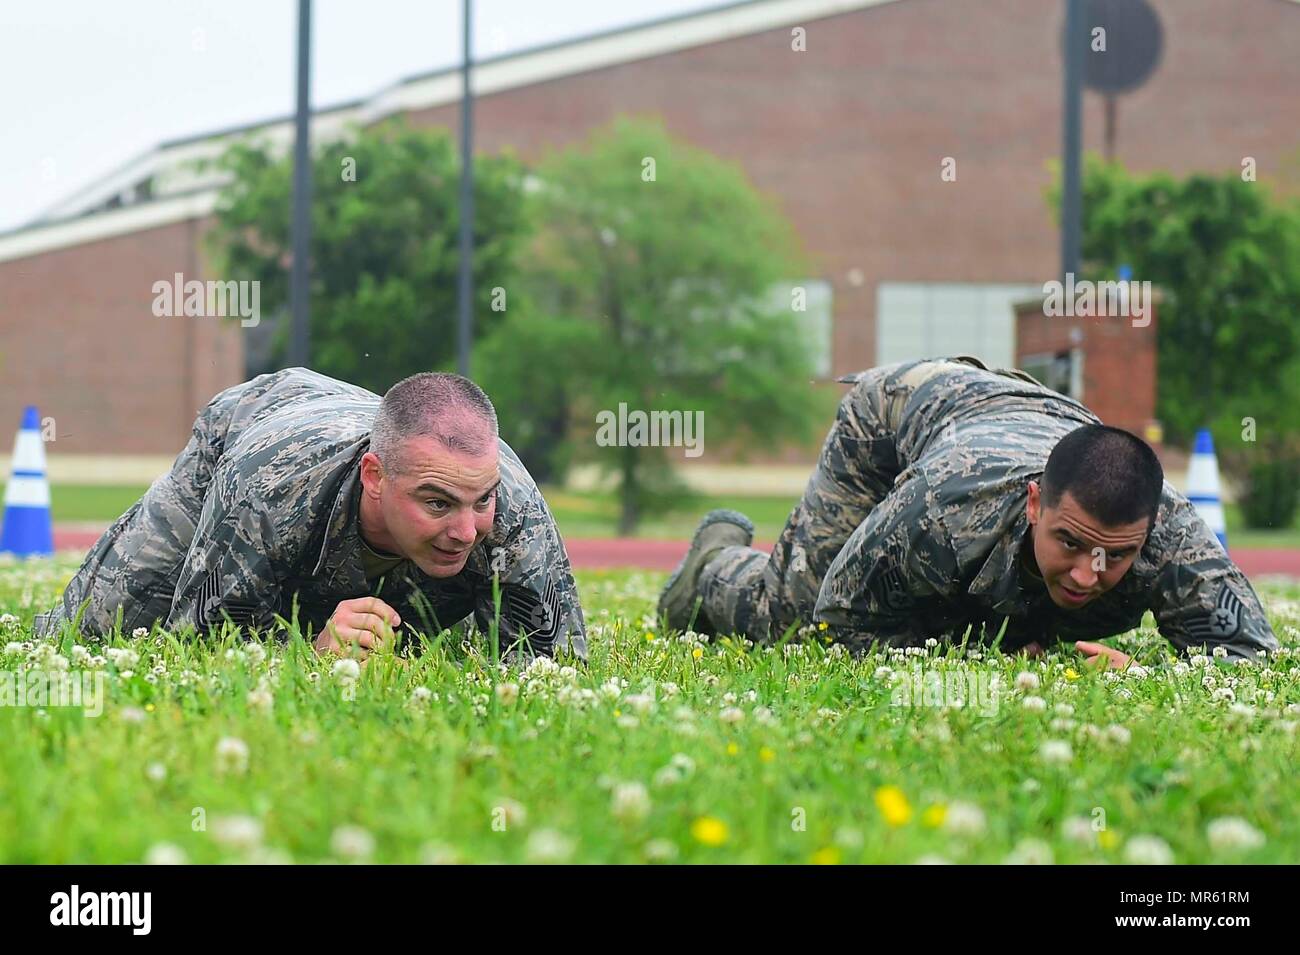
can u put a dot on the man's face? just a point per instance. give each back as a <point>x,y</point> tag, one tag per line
<point>1078,557</point>
<point>438,504</point>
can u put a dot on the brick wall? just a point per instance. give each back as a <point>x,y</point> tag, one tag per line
<point>847,136</point>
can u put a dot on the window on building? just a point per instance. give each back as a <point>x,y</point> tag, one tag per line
<point>932,319</point>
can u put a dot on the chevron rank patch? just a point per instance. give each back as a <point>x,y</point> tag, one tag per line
<point>1223,620</point>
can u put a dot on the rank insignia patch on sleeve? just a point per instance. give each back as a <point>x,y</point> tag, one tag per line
<point>1223,620</point>
<point>889,587</point>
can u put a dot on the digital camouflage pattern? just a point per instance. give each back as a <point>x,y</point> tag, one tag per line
<point>258,516</point>
<point>913,523</point>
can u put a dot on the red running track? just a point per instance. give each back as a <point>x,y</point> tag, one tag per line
<point>600,553</point>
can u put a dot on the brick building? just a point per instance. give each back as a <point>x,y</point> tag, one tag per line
<point>850,135</point>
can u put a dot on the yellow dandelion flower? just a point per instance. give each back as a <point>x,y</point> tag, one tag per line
<point>767,754</point>
<point>893,805</point>
<point>697,653</point>
<point>827,855</point>
<point>618,712</point>
<point>1107,839</point>
<point>823,625</point>
<point>709,831</point>
<point>148,707</point>
<point>649,637</point>
<point>934,816</point>
<point>1071,673</point>
<point>732,749</point>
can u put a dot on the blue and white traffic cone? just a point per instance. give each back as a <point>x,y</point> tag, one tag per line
<point>28,530</point>
<point>1203,485</point>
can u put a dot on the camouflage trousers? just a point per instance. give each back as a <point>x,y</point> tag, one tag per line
<point>761,595</point>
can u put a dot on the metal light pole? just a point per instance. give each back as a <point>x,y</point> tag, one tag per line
<point>465,290</point>
<point>300,276</point>
<point>1072,126</point>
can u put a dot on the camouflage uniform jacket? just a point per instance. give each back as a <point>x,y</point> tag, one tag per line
<point>258,517</point>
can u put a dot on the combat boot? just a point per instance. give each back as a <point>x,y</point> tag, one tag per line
<point>678,602</point>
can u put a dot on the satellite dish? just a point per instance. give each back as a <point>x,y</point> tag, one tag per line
<point>1124,43</point>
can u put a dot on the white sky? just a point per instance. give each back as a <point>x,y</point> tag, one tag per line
<point>86,85</point>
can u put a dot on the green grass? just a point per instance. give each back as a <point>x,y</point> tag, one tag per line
<point>658,748</point>
<point>596,514</point>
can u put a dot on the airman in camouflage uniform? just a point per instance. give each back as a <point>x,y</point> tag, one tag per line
<point>259,516</point>
<point>914,525</point>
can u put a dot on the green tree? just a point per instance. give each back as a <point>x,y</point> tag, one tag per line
<point>385,215</point>
<point>655,281</point>
<point>1226,256</point>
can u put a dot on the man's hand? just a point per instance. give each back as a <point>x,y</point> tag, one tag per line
<point>1098,654</point>
<point>362,622</point>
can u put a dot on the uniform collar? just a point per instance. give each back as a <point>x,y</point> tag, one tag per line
<point>999,579</point>
<point>340,553</point>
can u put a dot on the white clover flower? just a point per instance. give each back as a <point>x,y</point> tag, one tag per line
<point>666,776</point>
<point>883,673</point>
<point>237,832</point>
<point>1119,735</point>
<point>1062,724</point>
<point>1223,693</point>
<point>1034,704</point>
<point>763,716</point>
<point>140,632</point>
<point>437,853</point>
<point>13,646</point>
<point>732,714</point>
<point>1078,829</point>
<point>1199,660</point>
<point>507,693</point>
<point>682,763</point>
<point>1241,711</point>
<point>1030,852</point>
<point>254,652</point>
<point>1233,834</point>
<point>1148,850</point>
<point>352,842</point>
<point>964,819</point>
<point>630,802</point>
<point>1063,709</point>
<point>669,689</point>
<point>7,620</point>
<point>611,689</point>
<point>641,702</point>
<point>1220,653</point>
<point>729,698</point>
<point>232,755</point>
<point>659,850</point>
<point>260,699</point>
<point>123,658</point>
<point>541,667</point>
<point>155,772</point>
<point>346,670</point>
<point>1181,668</point>
<point>165,853</point>
<point>547,846</point>
<point>1137,672</point>
<point>420,696</point>
<point>1055,751</point>
<point>627,721</point>
<point>1027,681</point>
<point>512,812</point>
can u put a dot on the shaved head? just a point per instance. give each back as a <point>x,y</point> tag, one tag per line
<point>448,408</point>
